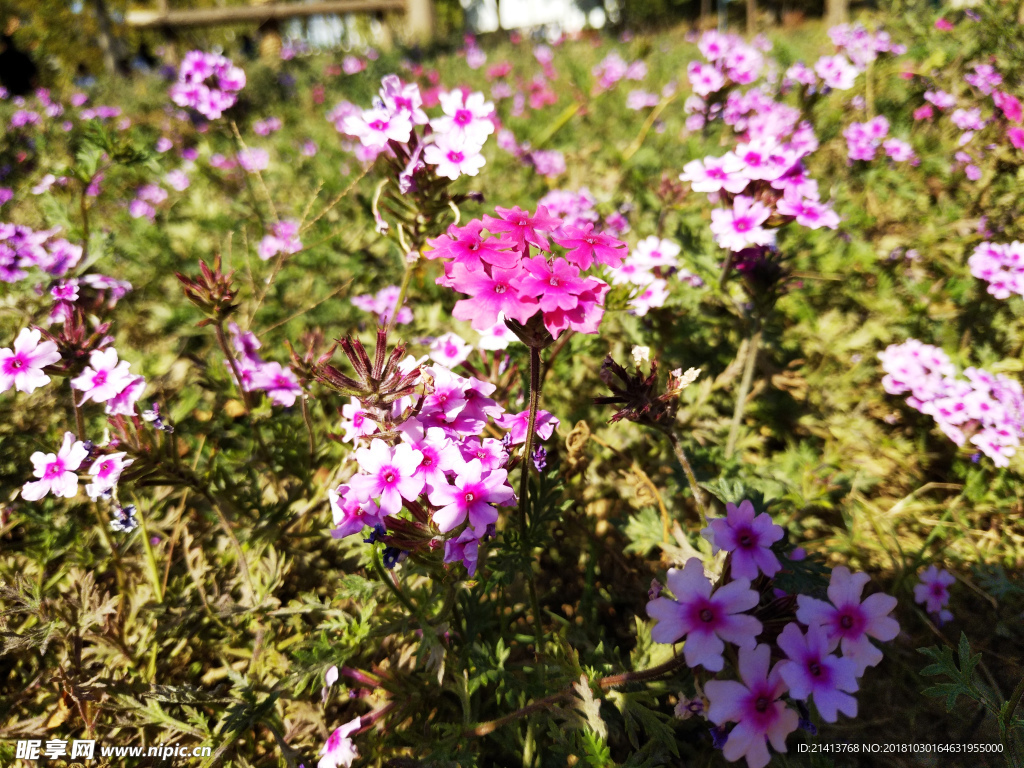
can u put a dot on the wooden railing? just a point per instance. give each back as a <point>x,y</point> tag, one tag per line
<point>419,14</point>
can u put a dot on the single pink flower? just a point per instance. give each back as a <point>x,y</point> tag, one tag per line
<point>56,471</point>
<point>339,751</point>
<point>352,514</point>
<point>756,707</point>
<point>544,425</point>
<point>1016,137</point>
<point>748,538</point>
<point>279,382</point>
<point>22,366</point>
<point>521,228</point>
<point>471,496</point>
<point>106,471</point>
<point>1010,105</point>
<point>585,246</point>
<point>388,473</point>
<point>703,617</point>
<point>103,378</point>
<point>933,592</point>
<point>812,671</point>
<point>944,25</point>
<point>737,227</point>
<point>490,294</point>
<point>469,245</point>
<point>849,620</point>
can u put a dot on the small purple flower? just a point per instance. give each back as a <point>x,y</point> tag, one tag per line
<point>748,538</point>
<point>704,617</point>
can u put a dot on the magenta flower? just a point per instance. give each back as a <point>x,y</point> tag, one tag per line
<point>471,497</point>
<point>470,246</point>
<point>521,227</point>
<point>748,538</point>
<point>755,705</point>
<point>103,378</point>
<point>933,592</point>
<point>440,455</point>
<point>352,514</point>
<point>850,621</point>
<point>586,246</point>
<point>56,471</point>
<point>339,750</point>
<point>544,425</point>
<point>22,367</point>
<point>389,473</point>
<point>279,383</point>
<point>812,671</point>
<point>490,294</point>
<point>740,226</point>
<point>465,548</point>
<point>703,617</point>
<point>556,285</point>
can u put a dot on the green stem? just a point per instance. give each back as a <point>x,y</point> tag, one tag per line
<point>524,487</point>
<point>604,683</point>
<point>741,397</point>
<point>79,421</point>
<point>382,573</point>
<point>403,289</point>
<point>154,572</point>
<point>691,478</point>
<point>1006,722</point>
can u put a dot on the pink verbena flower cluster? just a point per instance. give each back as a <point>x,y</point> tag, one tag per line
<point>613,68</point>
<point>648,267</point>
<point>382,304</point>
<point>1006,114</point>
<point>856,48</point>
<point>730,61</point>
<point>766,183</point>
<point>1001,265</point>
<point>283,239</point>
<point>451,144</point>
<point>823,649</point>
<point>441,468</point>
<point>208,83</point>
<point>864,139</point>
<point>277,381</point>
<point>58,475</point>
<point>861,45</point>
<point>492,261</point>
<point>983,409</point>
<point>22,248</point>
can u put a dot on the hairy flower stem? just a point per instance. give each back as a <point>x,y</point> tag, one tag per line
<point>604,683</point>
<point>741,396</point>
<point>524,487</point>
<point>677,449</point>
<point>222,341</point>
